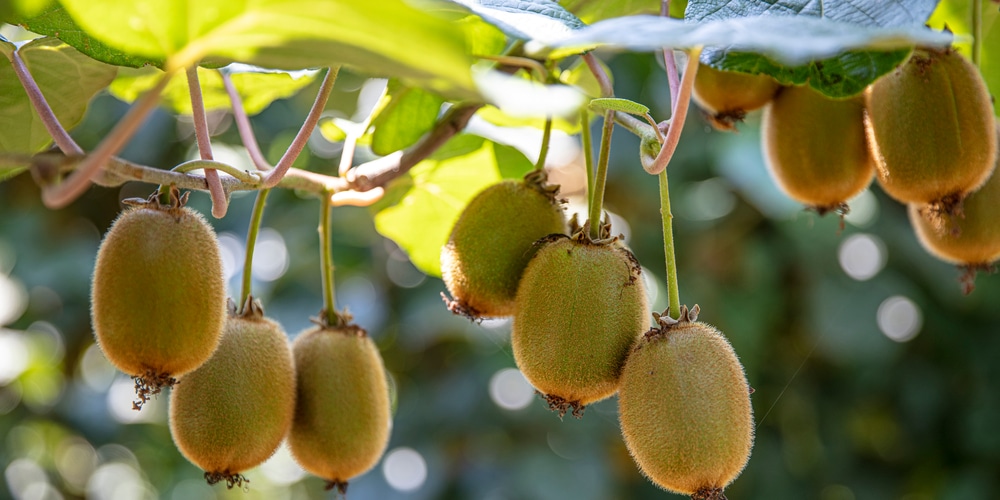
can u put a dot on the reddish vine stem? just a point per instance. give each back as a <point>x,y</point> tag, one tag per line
<point>243,125</point>
<point>677,117</point>
<point>607,90</point>
<point>220,205</point>
<point>63,141</point>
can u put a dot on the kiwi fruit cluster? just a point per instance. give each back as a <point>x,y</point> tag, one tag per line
<point>727,96</point>
<point>239,387</point>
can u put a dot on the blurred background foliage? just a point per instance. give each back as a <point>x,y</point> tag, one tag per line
<point>875,377</point>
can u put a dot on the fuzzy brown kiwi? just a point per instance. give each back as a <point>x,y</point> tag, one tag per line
<point>342,415</point>
<point>931,128</point>
<point>684,408</point>
<point>492,242</point>
<point>815,147</point>
<point>581,305</point>
<point>232,413</point>
<point>727,96</point>
<point>158,296</point>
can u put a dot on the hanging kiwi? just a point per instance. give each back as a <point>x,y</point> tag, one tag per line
<point>684,407</point>
<point>727,96</point>
<point>580,306</point>
<point>815,148</point>
<point>232,413</point>
<point>158,296</point>
<point>342,420</point>
<point>931,128</point>
<point>492,242</point>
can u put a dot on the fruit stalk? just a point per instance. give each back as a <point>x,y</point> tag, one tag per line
<point>673,291</point>
<point>255,218</point>
<point>546,137</point>
<point>219,203</point>
<point>326,256</point>
<point>597,197</point>
<point>977,31</point>
<point>588,153</point>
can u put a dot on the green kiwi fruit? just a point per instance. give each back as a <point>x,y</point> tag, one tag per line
<point>815,147</point>
<point>684,408</point>
<point>492,242</point>
<point>158,297</point>
<point>232,413</point>
<point>727,96</point>
<point>931,128</point>
<point>581,305</point>
<point>342,419</point>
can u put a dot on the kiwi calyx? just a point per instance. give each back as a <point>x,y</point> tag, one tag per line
<point>340,486</point>
<point>177,201</point>
<point>231,479</point>
<point>969,272</point>
<point>725,120</point>
<point>562,405</point>
<point>537,180</point>
<point>666,323</point>
<point>251,310</point>
<point>708,493</point>
<point>150,384</point>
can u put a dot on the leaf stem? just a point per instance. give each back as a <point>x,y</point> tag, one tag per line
<point>243,125</point>
<point>673,293</point>
<point>977,31</point>
<point>326,256</point>
<point>543,153</point>
<point>597,199</point>
<point>677,117</point>
<point>588,153</point>
<point>220,204</point>
<point>60,136</point>
<point>302,137</point>
<point>603,80</point>
<point>255,219</point>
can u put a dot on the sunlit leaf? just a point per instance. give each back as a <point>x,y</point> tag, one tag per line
<point>591,11</point>
<point>519,97</point>
<point>421,207</point>
<point>68,80</point>
<point>618,104</point>
<point>257,88</point>
<point>409,114</point>
<point>537,20</point>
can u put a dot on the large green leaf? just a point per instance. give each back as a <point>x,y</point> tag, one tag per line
<point>534,20</point>
<point>257,88</point>
<point>955,14</point>
<point>385,37</point>
<point>67,78</point>
<point>410,113</point>
<point>421,207</point>
<point>54,21</point>
<point>591,11</point>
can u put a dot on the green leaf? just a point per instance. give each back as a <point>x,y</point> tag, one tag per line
<point>387,37</point>
<point>520,97</point>
<point>618,104</point>
<point>68,80</point>
<point>591,11</point>
<point>532,20</point>
<point>409,114</point>
<point>257,87</point>
<point>420,208</point>
<point>9,172</point>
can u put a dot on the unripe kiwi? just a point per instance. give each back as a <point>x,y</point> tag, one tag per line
<point>492,242</point>
<point>931,128</point>
<point>232,413</point>
<point>815,147</point>
<point>342,419</point>
<point>684,408</point>
<point>158,298</point>
<point>727,96</point>
<point>581,305</point>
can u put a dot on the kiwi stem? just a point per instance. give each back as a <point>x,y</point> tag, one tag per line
<point>678,115</point>
<point>588,153</point>
<point>977,30</point>
<point>255,219</point>
<point>326,256</point>
<point>220,205</point>
<point>597,197</point>
<point>546,137</point>
<point>55,129</point>
<point>603,80</point>
<point>673,291</point>
<point>243,124</point>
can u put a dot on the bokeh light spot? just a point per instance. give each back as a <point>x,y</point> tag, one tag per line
<point>270,255</point>
<point>404,469</point>
<point>899,318</point>
<point>862,256</point>
<point>510,390</point>
<point>13,299</point>
<point>13,356</point>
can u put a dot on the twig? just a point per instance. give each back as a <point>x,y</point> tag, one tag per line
<point>607,90</point>
<point>60,136</point>
<point>243,125</point>
<point>220,205</point>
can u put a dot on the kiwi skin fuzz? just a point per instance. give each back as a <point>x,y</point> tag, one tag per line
<point>158,297</point>
<point>232,413</point>
<point>491,244</point>
<point>581,305</point>
<point>342,417</point>
<point>727,96</point>
<point>684,408</point>
<point>931,127</point>
<point>815,147</point>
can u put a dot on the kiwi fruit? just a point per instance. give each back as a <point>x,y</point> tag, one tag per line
<point>684,408</point>
<point>580,306</point>
<point>815,147</point>
<point>492,242</point>
<point>158,296</point>
<point>931,128</point>
<point>342,420</point>
<point>727,96</point>
<point>232,413</point>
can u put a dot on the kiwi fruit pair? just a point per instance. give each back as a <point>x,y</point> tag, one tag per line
<point>815,148</point>
<point>932,130</point>
<point>492,242</point>
<point>158,296</point>
<point>232,413</point>
<point>580,306</point>
<point>342,414</point>
<point>727,96</point>
<point>684,407</point>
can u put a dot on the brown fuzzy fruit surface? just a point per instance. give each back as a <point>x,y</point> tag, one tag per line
<point>491,244</point>
<point>158,298</point>
<point>342,418</point>
<point>581,306</point>
<point>232,413</point>
<point>684,409</point>
<point>727,96</point>
<point>931,128</point>
<point>815,147</point>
